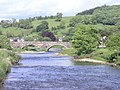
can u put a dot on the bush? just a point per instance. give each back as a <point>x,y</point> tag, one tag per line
<point>6,59</point>
<point>4,42</point>
<point>85,39</point>
<point>118,60</point>
<point>102,54</point>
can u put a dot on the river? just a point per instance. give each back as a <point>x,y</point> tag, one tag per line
<point>48,71</point>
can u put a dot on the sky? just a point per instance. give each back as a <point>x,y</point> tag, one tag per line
<point>30,8</point>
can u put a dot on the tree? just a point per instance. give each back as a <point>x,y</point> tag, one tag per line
<point>62,25</point>
<point>14,22</point>
<point>1,33</point>
<point>4,42</point>
<point>85,39</point>
<point>49,34</point>
<point>83,19</point>
<point>26,24</point>
<point>59,17</point>
<point>42,27</point>
<point>68,35</point>
<point>113,43</point>
<point>5,23</point>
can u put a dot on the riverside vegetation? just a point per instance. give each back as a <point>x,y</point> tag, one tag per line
<point>7,57</point>
<point>84,31</point>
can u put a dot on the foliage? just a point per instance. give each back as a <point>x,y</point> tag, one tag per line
<point>106,15</point>
<point>69,51</point>
<point>102,54</point>
<point>32,37</point>
<point>106,30</point>
<point>61,26</point>
<point>6,59</point>
<point>5,23</point>
<point>87,12</point>
<point>42,27</point>
<point>68,35</point>
<point>113,41</point>
<point>83,19</point>
<point>85,39</point>
<point>4,42</point>
<point>59,17</point>
<point>25,23</point>
<point>32,48</point>
<point>49,34</point>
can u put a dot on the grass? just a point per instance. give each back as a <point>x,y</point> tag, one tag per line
<point>101,54</point>
<point>98,54</point>
<point>52,22</point>
<point>14,31</point>
<point>69,51</point>
<point>7,58</point>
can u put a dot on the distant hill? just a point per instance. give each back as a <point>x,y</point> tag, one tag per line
<point>87,12</point>
<point>107,15</point>
<point>103,8</point>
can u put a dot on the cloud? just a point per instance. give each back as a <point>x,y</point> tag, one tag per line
<point>30,8</point>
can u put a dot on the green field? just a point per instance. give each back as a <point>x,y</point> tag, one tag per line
<point>20,32</point>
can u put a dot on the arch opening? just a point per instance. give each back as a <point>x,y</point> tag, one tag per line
<point>56,48</point>
<point>31,47</point>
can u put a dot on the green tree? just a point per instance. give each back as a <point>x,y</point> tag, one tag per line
<point>62,25</point>
<point>42,27</point>
<point>113,43</point>
<point>85,39</point>
<point>4,42</point>
<point>59,17</point>
<point>26,24</point>
<point>5,23</point>
<point>83,19</point>
<point>14,22</point>
<point>1,33</point>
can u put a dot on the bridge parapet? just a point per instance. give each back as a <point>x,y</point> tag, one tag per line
<point>39,44</point>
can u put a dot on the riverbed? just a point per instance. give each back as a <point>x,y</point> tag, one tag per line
<point>48,71</point>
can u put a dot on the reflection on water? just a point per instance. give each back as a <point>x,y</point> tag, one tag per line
<point>85,63</point>
<point>45,59</point>
<point>47,71</point>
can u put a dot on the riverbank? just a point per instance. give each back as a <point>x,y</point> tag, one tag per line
<point>90,60</point>
<point>99,56</point>
<point>96,61</point>
<point>7,59</point>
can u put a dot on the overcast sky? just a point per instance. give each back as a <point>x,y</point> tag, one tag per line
<point>30,8</point>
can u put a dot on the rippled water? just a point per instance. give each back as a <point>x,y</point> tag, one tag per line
<point>47,71</point>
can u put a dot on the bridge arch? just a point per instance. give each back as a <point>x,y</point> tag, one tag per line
<point>45,45</point>
<point>62,47</point>
<point>29,45</point>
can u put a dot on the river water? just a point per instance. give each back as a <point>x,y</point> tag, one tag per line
<point>47,71</point>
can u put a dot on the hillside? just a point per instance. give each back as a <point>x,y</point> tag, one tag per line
<point>108,16</point>
<point>52,22</point>
<point>30,34</point>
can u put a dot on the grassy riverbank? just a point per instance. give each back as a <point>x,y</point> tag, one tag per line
<point>7,58</point>
<point>101,56</point>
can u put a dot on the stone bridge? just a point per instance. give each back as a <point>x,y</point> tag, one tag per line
<point>46,45</point>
